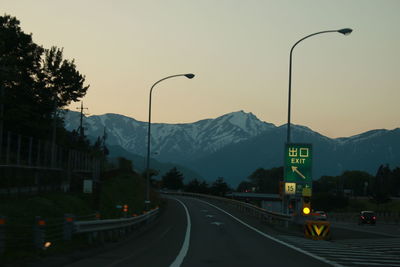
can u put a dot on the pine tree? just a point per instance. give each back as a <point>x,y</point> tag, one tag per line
<point>173,179</point>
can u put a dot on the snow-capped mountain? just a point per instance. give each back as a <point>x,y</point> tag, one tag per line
<point>172,142</point>
<point>237,143</point>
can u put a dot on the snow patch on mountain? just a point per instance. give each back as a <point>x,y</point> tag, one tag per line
<point>173,141</point>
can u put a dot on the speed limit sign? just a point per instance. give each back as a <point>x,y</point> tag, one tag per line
<point>290,188</point>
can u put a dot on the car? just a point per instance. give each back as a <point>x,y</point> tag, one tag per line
<point>320,215</point>
<point>367,217</point>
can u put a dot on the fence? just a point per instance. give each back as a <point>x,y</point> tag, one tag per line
<point>29,165</point>
<point>27,152</point>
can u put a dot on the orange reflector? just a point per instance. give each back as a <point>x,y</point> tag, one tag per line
<point>42,222</point>
<point>2,221</point>
<point>134,215</point>
<point>47,244</point>
<point>69,219</point>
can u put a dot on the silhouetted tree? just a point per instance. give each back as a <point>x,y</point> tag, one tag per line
<point>356,181</point>
<point>328,201</point>
<point>193,186</point>
<point>173,179</point>
<point>267,181</point>
<point>395,182</point>
<point>125,165</point>
<point>219,187</point>
<point>245,186</point>
<point>34,81</point>
<point>380,185</point>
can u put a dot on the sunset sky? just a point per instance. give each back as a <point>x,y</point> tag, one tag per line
<point>239,52</point>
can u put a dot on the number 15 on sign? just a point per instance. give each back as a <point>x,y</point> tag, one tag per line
<point>290,188</point>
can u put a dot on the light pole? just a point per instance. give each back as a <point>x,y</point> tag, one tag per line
<point>147,200</point>
<point>345,31</point>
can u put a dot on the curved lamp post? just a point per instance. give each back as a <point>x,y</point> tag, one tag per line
<point>345,31</point>
<point>147,201</point>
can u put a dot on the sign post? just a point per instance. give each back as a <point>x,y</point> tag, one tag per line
<point>298,159</point>
<point>298,170</point>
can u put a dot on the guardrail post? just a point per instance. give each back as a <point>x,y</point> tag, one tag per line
<point>68,227</point>
<point>2,234</point>
<point>39,233</point>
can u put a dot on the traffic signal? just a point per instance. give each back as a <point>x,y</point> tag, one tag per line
<point>306,209</point>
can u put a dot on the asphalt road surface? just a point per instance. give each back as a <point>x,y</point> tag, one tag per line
<point>192,233</point>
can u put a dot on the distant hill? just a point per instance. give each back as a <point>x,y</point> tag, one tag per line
<point>139,164</point>
<point>235,144</point>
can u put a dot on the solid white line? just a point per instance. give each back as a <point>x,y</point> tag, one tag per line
<point>185,247</point>
<point>275,239</point>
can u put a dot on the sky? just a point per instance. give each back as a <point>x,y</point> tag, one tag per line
<point>239,52</point>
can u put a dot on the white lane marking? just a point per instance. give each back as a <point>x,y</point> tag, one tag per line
<point>275,239</point>
<point>217,223</point>
<point>185,247</point>
<point>210,216</point>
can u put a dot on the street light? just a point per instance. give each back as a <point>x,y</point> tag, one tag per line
<point>345,31</point>
<point>147,201</point>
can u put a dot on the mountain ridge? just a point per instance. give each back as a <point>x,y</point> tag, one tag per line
<point>234,144</point>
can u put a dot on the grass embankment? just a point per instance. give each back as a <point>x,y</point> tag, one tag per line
<point>20,212</point>
<point>357,205</point>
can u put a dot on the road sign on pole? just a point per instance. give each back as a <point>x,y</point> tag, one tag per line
<point>290,188</point>
<point>298,164</point>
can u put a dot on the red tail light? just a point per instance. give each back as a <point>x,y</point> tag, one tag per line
<point>362,217</point>
<point>374,218</point>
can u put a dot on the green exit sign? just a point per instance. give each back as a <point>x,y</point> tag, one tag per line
<point>298,164</point>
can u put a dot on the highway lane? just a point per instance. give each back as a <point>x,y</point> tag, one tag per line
<point>214,239</point>
<point>217,239</point>
<point>383,229</point>
<point>157,246</point>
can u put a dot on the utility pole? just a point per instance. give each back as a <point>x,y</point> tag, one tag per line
<point>81,129</point>
<point>53,139</point>
<point>2,100</point>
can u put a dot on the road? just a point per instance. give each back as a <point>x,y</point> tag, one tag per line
<point>389,230</point>
<point>211,238</point>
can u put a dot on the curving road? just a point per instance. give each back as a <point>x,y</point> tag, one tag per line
<point>191,232</point>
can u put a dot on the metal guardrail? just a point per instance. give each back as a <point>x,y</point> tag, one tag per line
<point>15,235</point>
<point>263,214</point>
<point>111,224</point>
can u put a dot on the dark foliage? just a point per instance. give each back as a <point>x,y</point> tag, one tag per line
<point>245,186</point>
<point>380,190</point>
<point>267,181</point>
<point>219,187</point>
<point>34,82</point>
<point>328,201</point>
<point>172,180</point>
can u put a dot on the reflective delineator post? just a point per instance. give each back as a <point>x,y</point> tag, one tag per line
<point>68,227</point>
<point>2,234</point>
<point>39,233</point>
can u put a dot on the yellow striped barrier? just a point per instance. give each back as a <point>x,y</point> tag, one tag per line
<point>317,230</point>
